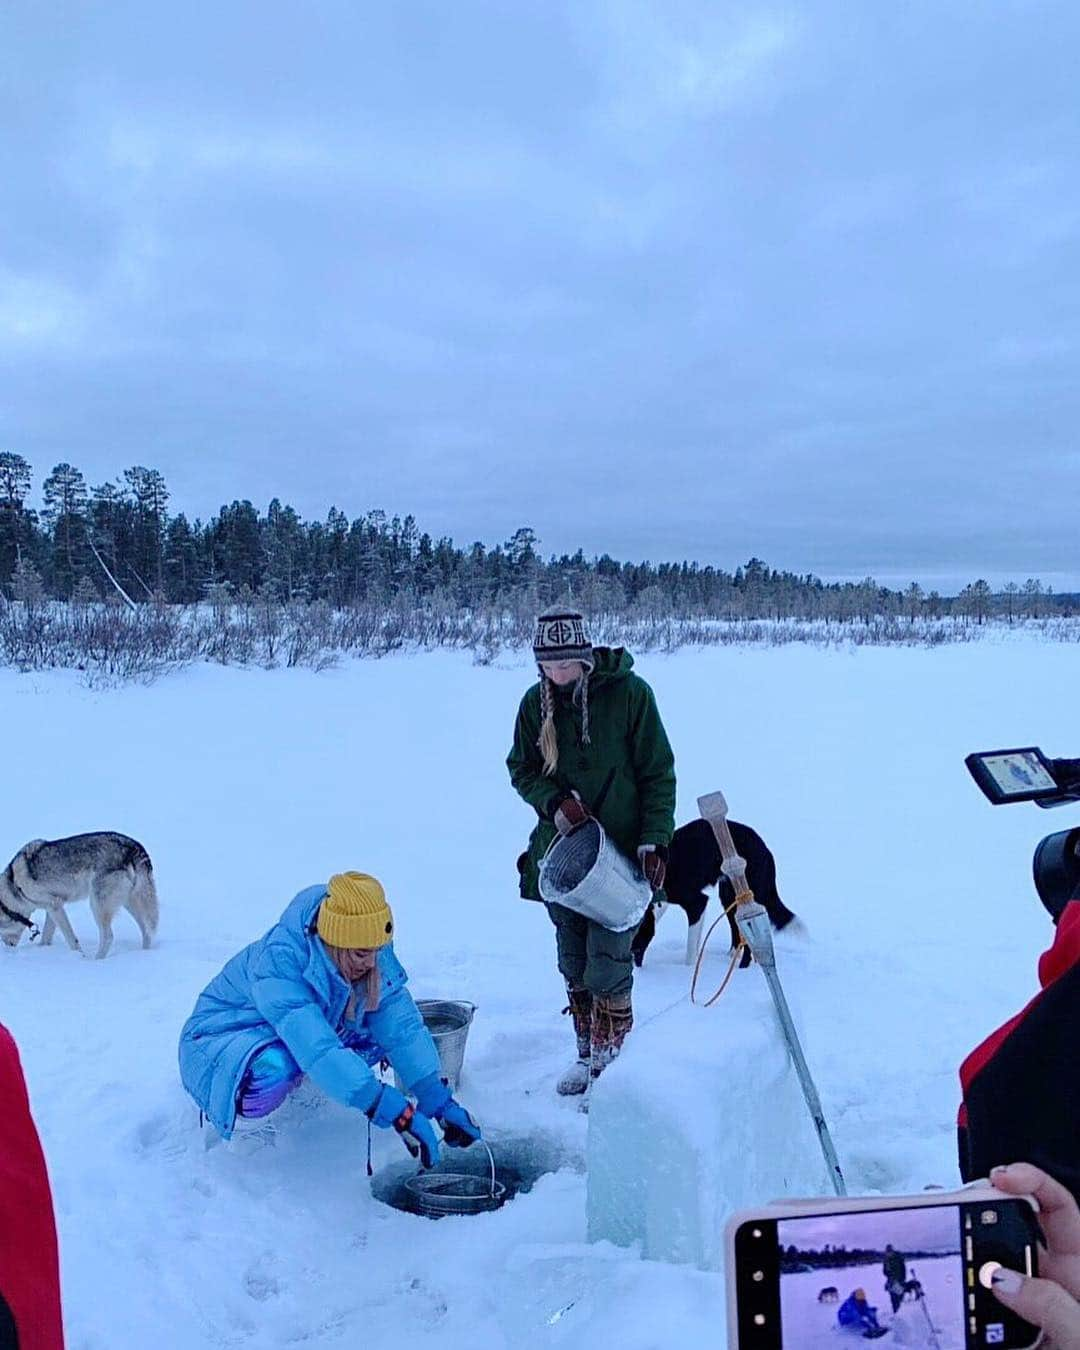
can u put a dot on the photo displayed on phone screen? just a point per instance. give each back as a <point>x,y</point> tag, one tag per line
<point>887,1273</point>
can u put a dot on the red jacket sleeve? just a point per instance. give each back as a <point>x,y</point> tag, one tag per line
<point>29,1265</point>
<point>1054,962</point>
<point>1021,1089</point>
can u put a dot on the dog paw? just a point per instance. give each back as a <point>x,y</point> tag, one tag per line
<point>261,1287</point>
<point>161,1135</point>
<point>260,1282</point>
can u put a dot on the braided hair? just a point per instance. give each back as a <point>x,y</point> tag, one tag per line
<point>547,742</point>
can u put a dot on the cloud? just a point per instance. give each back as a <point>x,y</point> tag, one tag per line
<point>618,270</point>
<point>665,66</point>
<point>38,312</point>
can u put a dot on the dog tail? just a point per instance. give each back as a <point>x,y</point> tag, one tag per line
<point>144,894</point>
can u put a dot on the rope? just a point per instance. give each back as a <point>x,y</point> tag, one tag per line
<point>736,955</point>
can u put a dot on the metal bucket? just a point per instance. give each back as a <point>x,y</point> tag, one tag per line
<point>448,1021</point>
<point>586,872</point>
<point>437,1194</point>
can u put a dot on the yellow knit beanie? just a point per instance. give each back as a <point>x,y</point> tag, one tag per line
<point>355,912</point>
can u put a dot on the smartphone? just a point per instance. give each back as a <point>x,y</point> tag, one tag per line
<point>910,1270</point>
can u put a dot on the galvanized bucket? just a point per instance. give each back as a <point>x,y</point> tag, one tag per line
<point>586,872</point>
<point>448,1020</point>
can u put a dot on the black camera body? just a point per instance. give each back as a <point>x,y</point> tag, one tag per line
<point>1027,775</point>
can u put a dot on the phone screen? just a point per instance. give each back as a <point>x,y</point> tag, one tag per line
<point>1018,772</point>
<point>917,1277</point>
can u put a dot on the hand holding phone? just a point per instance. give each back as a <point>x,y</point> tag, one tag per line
<point>917,1270</point>
<point>1051,1302</point>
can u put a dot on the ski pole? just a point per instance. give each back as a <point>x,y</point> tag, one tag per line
<point>753,921</point>
<point>935,1344</point>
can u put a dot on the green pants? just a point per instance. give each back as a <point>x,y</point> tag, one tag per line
<point>590,956</point>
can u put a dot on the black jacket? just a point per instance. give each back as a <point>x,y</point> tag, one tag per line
<point>1022,1084</point>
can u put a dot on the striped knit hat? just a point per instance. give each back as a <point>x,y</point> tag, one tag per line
<point>562,635</point>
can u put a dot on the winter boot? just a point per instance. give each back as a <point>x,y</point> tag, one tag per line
<point>612,1018</point>
<point>576,1079</point>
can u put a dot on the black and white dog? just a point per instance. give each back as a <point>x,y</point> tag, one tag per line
<point>694,865</point>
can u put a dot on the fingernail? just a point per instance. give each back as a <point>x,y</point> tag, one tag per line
<point>999,1170</point>
<point>1008,1281</point>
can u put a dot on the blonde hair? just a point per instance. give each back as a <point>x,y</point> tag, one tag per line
<point>548,742</point>
<point>372,980</point>
<point>374,988</point>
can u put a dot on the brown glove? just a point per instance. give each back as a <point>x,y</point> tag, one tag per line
<point>653,860</point>
<point>570,814</point>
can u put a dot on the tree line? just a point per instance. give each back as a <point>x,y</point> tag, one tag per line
<point>794,1259</point>
<point>119,542</point>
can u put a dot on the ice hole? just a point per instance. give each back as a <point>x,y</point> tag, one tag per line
<point>520,1161</point>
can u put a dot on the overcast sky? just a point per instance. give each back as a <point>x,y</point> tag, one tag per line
<point>664,280</point>
<point>935,1227</point>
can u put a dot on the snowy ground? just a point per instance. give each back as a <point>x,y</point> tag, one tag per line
<point>937,1323</point>
<point>246,786</point>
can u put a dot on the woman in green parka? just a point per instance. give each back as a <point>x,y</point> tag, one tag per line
<point>589,742</point>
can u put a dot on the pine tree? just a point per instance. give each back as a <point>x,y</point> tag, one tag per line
<point>283,538</point>
<point>26,584</point>
<point>150,498</point>
<point>14,485</point>
<point>183,580</point>
<point>65,511</point>
<point>982,598</point>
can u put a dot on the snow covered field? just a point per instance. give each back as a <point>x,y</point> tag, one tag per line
<point>937,1323</point>
<point>923,930</point>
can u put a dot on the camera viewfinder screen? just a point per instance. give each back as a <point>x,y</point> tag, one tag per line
<point>892,1274</point>
<point>1018,772</point>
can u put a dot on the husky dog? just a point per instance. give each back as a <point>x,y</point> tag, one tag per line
<point>830,1294</point>
<point>113,870</point>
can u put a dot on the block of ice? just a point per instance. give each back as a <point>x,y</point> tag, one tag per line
<point>701,1115</point>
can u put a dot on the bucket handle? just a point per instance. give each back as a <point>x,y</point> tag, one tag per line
<point>547,852</point>
<point>559,837</point>
<point>491,1159</point>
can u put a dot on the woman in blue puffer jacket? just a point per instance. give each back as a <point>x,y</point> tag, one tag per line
<point>321,994</point>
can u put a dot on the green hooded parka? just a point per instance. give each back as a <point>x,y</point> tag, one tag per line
<point>625,776</point>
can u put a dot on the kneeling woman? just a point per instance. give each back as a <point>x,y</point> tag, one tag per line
<point>321,994</point>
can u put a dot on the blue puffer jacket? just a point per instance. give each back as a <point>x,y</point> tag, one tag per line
<point>857,1315</point>
<point>285,987</point>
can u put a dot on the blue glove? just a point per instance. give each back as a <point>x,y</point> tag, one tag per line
<point>418,1136</point>
<point>387,1107</point>
<point>459,1128</point>
<point>432,1095</point>
<point>392,1108</point>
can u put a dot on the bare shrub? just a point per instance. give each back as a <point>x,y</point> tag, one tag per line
<point>110,643</point>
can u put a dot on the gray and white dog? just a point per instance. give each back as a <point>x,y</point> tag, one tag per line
<point>113,870</point>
